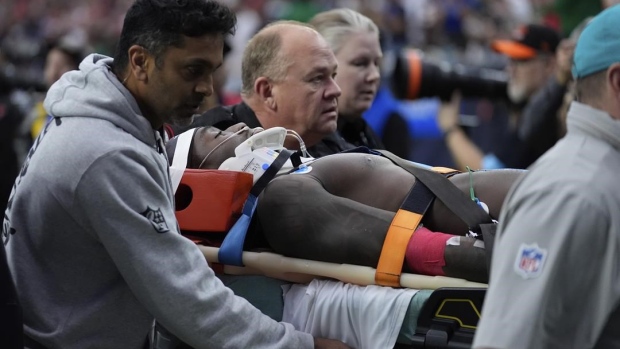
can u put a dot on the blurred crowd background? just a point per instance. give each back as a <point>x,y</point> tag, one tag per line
<point>453,31</point>
<point>456,29</point>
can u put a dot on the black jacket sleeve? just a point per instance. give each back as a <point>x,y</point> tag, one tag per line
<point>539,126</point>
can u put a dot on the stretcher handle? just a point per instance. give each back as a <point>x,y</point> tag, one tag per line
<point>304,270</point>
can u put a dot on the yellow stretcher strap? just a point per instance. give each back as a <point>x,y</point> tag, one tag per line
<point>394,247</point>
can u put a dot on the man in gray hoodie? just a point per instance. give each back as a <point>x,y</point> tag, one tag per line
<point>90,231</point>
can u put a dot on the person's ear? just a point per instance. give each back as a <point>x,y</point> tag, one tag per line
<point>265,90</point>
<point>613,86</point>
<point>613,79</point>
<point>138,62</point>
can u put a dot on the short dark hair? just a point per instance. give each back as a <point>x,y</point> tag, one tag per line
<point>589,89</point>
<point>158,24</point>
<point>75,54</point>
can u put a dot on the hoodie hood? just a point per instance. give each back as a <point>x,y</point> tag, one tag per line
<point>94,91</point>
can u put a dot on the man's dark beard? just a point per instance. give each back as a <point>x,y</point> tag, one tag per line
<point>182,122</point>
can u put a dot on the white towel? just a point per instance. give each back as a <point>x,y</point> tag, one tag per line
<point>360,316</point>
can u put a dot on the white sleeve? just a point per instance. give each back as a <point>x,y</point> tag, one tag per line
<point>553,269</point>
<point>124,199</point>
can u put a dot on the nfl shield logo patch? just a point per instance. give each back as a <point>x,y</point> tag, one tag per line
<point>157,219</point>
<point>530,261</point>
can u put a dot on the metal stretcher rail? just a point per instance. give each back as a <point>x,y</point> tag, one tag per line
<point>303,270</point>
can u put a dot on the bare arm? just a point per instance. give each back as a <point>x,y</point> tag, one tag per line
<point>464,152</point>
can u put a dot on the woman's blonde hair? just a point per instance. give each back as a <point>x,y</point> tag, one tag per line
<point>335,25</point>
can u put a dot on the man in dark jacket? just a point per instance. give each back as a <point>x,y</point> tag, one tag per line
<point>517,140</point>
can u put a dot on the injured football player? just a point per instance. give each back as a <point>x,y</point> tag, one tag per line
<point>338,208</point>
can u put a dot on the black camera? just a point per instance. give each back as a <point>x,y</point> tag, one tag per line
<point>413,77</point>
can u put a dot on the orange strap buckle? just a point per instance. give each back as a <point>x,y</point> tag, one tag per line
<point>394,247</point>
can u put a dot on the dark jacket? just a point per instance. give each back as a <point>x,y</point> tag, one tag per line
<point>358,133</point>
<point>537,129</point>
<point>224,117</point>
<point>539,126</point>
<point>396,138</point>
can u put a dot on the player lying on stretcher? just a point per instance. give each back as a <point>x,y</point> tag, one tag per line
<point>339,208</point>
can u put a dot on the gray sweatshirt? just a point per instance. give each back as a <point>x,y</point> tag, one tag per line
<point>92,239</point>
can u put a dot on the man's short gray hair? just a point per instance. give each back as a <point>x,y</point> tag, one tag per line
<point>263,58</point>
<point>590,89</point>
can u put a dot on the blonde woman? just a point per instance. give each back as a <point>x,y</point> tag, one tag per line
<point>354,38</point>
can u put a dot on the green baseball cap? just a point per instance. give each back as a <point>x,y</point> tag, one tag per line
<point>598,46</point>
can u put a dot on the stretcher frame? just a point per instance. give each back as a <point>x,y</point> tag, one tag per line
<point>448,319</point>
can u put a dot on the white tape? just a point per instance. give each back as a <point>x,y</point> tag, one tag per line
<point>179,161</point>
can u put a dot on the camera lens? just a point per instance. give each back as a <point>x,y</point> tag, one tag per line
<point>413,77</point>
